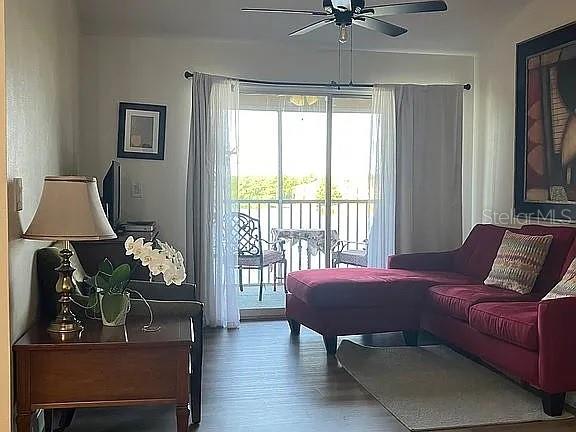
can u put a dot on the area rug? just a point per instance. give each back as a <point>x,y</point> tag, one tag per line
<point>433,387</point>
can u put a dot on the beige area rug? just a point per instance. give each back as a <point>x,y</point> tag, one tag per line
<point>433,387</point>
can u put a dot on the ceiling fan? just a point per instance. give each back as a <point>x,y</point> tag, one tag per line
<point>345,13</point>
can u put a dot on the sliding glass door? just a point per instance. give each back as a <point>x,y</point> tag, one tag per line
<point>292,150</point>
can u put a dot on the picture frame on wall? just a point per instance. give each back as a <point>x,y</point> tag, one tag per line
<point>545,148</point>
<point>141,131</point>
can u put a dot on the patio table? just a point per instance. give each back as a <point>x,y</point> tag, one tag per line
<point>315,240</point>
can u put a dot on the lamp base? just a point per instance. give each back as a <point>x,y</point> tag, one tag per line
<point>66,326</point>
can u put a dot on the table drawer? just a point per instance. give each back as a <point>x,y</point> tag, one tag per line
<point>103,375</point>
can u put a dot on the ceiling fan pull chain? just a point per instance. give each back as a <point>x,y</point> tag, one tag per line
<point>339,64</point>
<point>351,55</point>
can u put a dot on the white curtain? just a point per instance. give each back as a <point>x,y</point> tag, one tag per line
<point>429,167</point>
<point>381,242</point>
<point>211,246</point>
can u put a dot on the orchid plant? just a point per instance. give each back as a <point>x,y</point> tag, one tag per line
<point>165,260</point>
<point>110,286</point>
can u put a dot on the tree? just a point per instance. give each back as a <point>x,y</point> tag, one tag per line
<point>321,192</point>
<point>266,187</point>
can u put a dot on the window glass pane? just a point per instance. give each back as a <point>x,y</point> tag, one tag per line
<point>351,212</point>
<point>257,157</point>
<point>350,148</point>
<point>303,154</point>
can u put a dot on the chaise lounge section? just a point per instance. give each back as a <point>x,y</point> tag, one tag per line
<point>444,294</point>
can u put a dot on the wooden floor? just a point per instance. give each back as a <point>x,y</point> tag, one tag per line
<point>259,379</point>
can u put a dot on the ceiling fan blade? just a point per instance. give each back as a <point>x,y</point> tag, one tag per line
<point>312,27</point>
<point>285,11</point>
<point>380,26</point>
<point>407,8</point>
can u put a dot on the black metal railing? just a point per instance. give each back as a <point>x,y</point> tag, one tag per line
<point>349,218</point>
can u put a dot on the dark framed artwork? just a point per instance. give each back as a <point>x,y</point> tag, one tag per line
<point>545,156</point>
<point>141,131</point>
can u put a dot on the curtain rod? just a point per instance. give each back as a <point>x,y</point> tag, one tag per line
<point>333,84</point>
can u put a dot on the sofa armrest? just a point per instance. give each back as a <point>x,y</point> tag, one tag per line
<point>557,345</point>
<point>433,261</point>
<point>159,291</point>
<point>166,309</point>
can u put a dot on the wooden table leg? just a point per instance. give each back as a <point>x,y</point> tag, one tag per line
<point>182,390</point>
<point>182,418</point>
<point>23,386</point>
<point>23,421</point>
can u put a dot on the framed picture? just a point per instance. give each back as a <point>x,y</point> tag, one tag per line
<point>545,156</point>
<point>141,131</point>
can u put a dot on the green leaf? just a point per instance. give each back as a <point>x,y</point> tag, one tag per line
<point>112,306</point>
<point>120,275</point>
<point>106,267</point>
<point>102,282</point>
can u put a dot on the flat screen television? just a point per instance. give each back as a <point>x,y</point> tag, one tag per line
<point>111,194</point>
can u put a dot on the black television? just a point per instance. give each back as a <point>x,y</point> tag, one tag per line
<point>111,194</point>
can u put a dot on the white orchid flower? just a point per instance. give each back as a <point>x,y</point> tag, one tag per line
<point>179,276</point>
<point>169,275</point>
<point>148,255</point>
<point>159,264</point>
<point>174,275</point>
<point>139,248</point>
<point>129,245</point>
<point>166,260</point>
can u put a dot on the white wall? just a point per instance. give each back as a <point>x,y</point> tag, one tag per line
<point>5,342</point>
<point>42,41</point>
<point>115,69</point>
<point>493,166</point>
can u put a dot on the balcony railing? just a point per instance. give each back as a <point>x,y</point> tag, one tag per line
<point>349,218</point>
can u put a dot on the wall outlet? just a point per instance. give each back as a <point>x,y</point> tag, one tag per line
<point>17,191</point>
<point>136,191</point>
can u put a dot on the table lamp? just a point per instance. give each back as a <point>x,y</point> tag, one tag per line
<point>69,210</point>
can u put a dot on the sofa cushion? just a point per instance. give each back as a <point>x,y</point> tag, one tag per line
<point>456,300</point>
<point>566,287</point>
<point>476,256</point>
<point>366,287</point>
<point>519,261</point>
<point>555,265</point>
<point>514,322</point>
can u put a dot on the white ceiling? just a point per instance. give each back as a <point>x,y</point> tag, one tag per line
<point>460,30</point>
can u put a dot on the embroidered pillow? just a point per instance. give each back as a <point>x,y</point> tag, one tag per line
<point>567,286</point>
<point>518,262</point>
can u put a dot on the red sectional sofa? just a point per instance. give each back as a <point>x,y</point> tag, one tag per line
<point>443,293</point>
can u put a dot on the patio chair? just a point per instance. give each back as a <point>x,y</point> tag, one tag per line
<point>342,254</point>
<point>252,255</point>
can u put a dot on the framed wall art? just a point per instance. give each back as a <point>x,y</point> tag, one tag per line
<point>141,131</point>
<point>545,156</point>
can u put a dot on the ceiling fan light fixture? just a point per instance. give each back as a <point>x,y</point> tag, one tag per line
<point>342,5</point>
<point>344,34</point>
<point>327,5</point>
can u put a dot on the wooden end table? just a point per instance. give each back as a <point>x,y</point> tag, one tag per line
<point>106,367</point>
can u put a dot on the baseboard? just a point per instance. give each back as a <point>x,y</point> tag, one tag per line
<point>262,314</point>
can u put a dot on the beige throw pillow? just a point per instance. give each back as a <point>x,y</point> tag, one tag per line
<point>567,286</point>
<point>518,262</point>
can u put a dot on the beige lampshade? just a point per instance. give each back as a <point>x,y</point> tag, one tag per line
<point>70,209</point>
